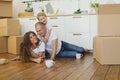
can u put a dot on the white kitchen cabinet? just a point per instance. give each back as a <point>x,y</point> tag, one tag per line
<point>79,39</point>
<point>79,23</point>
<point>27,24</point>
<point>77,30</point>
<point>57,24</point>
<point>93,29</point>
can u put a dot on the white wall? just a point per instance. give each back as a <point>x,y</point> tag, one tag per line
<point>64,6</point>
<point>18,6</point>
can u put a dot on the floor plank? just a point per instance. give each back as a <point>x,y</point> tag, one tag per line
<point>113,73</point>
<point>88,73</point>
<point>56,70</point>
<point>64,69</point>
<point>80,69</point>
<point>100,73</point>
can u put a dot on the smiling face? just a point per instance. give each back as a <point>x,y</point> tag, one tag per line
<point>40,29</point>
<point>43,19</point>
<point>41,16</point>
<point>33,38</point>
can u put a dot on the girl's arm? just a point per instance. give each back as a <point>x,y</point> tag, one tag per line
<point>54,49</point>
<point>45,39</point>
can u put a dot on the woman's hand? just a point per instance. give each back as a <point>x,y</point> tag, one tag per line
<point>16,58</point>
<point>37,60</point>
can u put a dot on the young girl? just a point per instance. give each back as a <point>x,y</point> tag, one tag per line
<point>31,49</point>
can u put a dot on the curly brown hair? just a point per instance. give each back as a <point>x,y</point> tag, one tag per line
<point>25,47</point>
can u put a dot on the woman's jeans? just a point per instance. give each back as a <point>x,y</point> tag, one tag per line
<point>70,50</point>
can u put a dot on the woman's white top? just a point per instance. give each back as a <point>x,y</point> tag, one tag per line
<point>40,48</point>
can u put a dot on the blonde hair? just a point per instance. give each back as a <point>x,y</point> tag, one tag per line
<point>41,14</point>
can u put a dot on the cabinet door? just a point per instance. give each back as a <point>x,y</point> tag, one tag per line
<point>32,22</point>
<point>77,23</point>
<point>79,39</point>
<point>24,23</point>
<point>57,24</point>
<point>93,29</point>
<point>27,24</point>
<point>93,24</point>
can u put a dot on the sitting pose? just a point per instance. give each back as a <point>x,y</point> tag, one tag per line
<point>31,49</point>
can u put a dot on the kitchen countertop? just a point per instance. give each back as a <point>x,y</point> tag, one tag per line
<point>53,15</point>
<point>72,14</point>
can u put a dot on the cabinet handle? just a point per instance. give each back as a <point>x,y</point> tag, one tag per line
<point>53,18</point>
<point>76,17</point>
<point>54,26</point>
<point>75,34</point>
<point>32,19</point>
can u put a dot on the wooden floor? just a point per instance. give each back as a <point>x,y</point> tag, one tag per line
<point>65,69</point>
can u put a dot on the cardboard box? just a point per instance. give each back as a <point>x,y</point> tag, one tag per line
<point>9,27</point>
<point>109,20</point>
<point>6,0</point>
<point>107,50</point>
<point>14,44</point>
<point>3,44</point>
<point>109,25</point>
<point>6,9</point>
<point>106,9</point>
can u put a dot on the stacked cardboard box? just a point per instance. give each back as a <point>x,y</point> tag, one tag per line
<point>5,8</point>
<point>107,50</point>
<point>10,38</point>
<point>10,27</point>
<point>107,43</point>
<point>3,44</point>
<point>14,44</point>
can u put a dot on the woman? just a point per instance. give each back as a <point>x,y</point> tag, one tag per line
<point>31,49</point>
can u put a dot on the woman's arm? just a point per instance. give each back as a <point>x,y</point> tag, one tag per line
<point>34,54</point>
<point>40,54</point>
<point>16,58</point>
<point>37,60</point>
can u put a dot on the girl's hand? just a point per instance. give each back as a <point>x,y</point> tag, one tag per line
<point>48,34</point>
